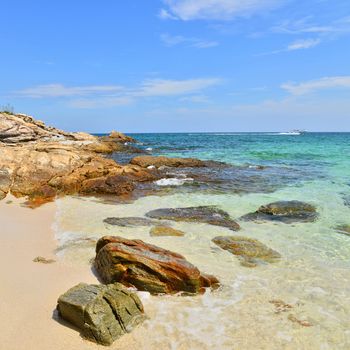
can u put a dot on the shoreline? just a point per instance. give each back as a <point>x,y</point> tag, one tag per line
<point>30,290</point>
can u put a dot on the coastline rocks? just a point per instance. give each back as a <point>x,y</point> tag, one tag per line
<point>203,214</point>
<point>250,251</point>
<point>284,211</point>
<point>103,313</point>
<point>129,221</point>
<point>158,162</point>
<point>148,267</point>
<point>19,128</point>
<point>44,169</point>
<point>159,231</point>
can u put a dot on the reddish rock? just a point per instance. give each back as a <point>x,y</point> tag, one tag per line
<point>148,267</point>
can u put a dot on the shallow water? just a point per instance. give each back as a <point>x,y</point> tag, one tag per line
<point>313,275</point>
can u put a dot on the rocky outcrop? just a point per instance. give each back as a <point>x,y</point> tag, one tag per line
<point>250,251</point>
<point>204,214</point>
<point>116,136</point>
<point>284,211</point>
<point>147,161</point>
<point>102,313</point>
<point>21,128</point>
<point>46,169</point>
<point>159,231</point>
<point>129,221</point>
<point>148,267</point>
<point>40,162</point>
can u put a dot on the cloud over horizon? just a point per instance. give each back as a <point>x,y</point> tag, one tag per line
<point>187,10</point>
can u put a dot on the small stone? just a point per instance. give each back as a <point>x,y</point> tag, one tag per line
<point>40,259</point>
<point>159,231</point>
<point>303,323</point>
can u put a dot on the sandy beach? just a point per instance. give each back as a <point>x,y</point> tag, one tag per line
<point>29,290</point>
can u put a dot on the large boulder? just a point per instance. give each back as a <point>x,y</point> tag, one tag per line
<point>117,136</point>
<point>284,211</point>
<point>250,251</point>
<point>102,313</point>
<point>148,267</point>
<point>204,214</point>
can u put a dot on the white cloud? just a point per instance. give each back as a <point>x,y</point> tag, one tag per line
<point>304,26</point>
<point>59,90</point>
<point>112,95</point>
<point>160,87</point>
<point>318,84</point>
<point>215,9</point>
<point>303,44</point>
<point>173,40</point>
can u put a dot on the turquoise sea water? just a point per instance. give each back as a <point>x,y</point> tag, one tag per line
<point>313,275</point>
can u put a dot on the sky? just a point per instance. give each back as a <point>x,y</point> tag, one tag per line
<point>178,65</point>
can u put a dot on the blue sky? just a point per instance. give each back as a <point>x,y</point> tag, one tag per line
<point>178,65</point>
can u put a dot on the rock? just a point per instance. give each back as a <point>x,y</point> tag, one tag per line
<point>117,136</point>
<point>5,183</point>
<point>40,259</point>
<point>103,313</point>
<point>44,169</point>
<point>129,221</point>
<point>160,162</point>
<point>159,231</point>
<point>343,229</point>
<point>284,211</point>
<point>250,251</point>
<point>204,214</point>
<point>148,267</point>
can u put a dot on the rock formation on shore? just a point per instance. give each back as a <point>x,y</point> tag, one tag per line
<point>148,267</point>
<point>102,313</point>
<point>40,161</point>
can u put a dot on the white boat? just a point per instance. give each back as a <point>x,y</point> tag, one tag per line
<point>293,132</point>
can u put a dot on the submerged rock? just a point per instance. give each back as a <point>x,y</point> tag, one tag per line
<point>284,211</point>
<point>102,313</point>
<point>344,229</point>
<point>159,231</point>
<point>147,161</point>
<point>130,221</point>
<point>250,251</point>
<point>204,214</point>
<point>148,267</point>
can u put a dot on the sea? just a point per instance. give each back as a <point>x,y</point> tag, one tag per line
<point>299,302</point>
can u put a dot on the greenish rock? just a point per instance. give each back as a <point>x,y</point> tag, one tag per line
<point>343,229</point>
<point>204,214</point>
<point>159,231</point>
<point>250,251</point>
<point>102,313</point>
<point>130,221</point>
<point>284,211</point>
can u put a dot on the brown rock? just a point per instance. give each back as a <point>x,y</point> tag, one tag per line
<point>148,267</point>
<point>250,251</point>
<point>159,231</point>
<point>146,161</point>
